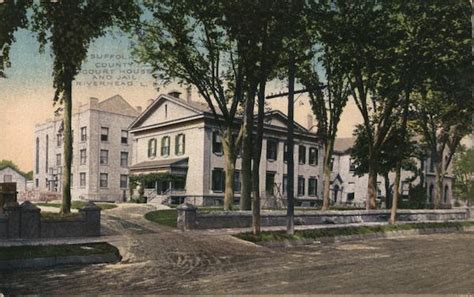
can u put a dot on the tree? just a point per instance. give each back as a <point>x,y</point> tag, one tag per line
<point>464,175</point>
<point>326,106</point>
<point>13,16</point>
<point>11,164</point>
<point>195,43</point>
<point>443,105</point>
<point>69,27</point>
<point>366,46</point>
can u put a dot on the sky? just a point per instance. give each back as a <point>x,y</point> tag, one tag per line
<point>26,96</point>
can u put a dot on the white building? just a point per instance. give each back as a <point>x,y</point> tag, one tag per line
<point>101,151</point>
<point>180,137</point>
<point>349,188</point>
<point>10,175</point>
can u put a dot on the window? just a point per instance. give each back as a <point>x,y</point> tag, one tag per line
<point>37,155</point>
<point>237,182</point>
<point>152,148</point>
<point>350,197</point>
<point>302,154</point>
<point>285,184</point>
<point>179,143</point>
<point>7,178</point>
<point>72,180</point>
<point>123,181</point>
<point>124,159</point>
<point>431,164</point>
<point>37,183</point>
<point>312,186</point>
<point>285,152</point>
<point>104,180</point>
<point>313,156</point>
<point>104,157</point>
<point>58,160</point>
<point>218,180</point>
<point>124,137</point>
<point>216,143</point>
<point>165,146</point>
<point>104,134</point>
<point>47,154</point>
<point>272,149</point>
<point>59,139</point>
<point>270,183</point>
<point>83,156</point>
<point>84,134</point>
<point>352,166</point>
<point>82,179</point>
<point>301,186</point>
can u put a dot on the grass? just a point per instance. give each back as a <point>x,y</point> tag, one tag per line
<point>168,217</point>
<point>332,232</point>
<point>47,251</point>
<point>79,204</point>
<point>57,216</point>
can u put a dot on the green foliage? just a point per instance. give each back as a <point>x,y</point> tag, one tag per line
<point>346,231</point>
<point>63,250</point>
<point>416,198</point>
<point>13,17</point>
<point>11,164</point>
<point>464,175</point>
<point>70,27</point>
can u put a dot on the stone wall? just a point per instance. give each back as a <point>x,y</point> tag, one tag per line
<point>25,221</point>
<point>189,217</point>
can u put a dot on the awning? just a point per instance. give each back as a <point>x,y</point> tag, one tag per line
<point>174,166</point>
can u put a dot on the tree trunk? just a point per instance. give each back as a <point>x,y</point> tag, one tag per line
<point>290,228</point>
<point>245,193</point>
<point>388,194</point>
<point>438,184</point>
<point>230,157</point>
<point>256,161</point>
<point>396,194</point>
<point>327,176</point>
<point>372,188</point>
<point>66,201</point>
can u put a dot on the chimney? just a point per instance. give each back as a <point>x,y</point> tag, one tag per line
<point>138,108</point>
<point>93,103</point>
<point>188,94</point>
<point>150,102</point>
<point>310,122</point>
<point>175,94</point>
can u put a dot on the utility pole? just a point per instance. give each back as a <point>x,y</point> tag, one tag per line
<point>290,227</point>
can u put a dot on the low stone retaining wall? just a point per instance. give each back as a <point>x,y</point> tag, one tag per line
<point>189,217</point>
<point>24,221</point>
<point>54,261</point>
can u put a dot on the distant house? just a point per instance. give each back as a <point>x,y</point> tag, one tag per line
<point>180,137</point>
<point>10,175</point>
<point>346,187</point>
<point>102,149</point>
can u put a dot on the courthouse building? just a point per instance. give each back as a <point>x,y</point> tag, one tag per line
<point>101,151</point>
<point>180,137</point>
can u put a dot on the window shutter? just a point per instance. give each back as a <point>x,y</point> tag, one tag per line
<point>184,143</point>
<point>176,144</point>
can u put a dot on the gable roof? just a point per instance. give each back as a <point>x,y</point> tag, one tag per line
<point>344,145</point>
<point>17,171</point>
<point>196,107</point>
<point>116,104</point>
<point>277,114</point>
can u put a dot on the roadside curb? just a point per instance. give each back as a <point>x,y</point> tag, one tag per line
<point>378,235</point>
<point>63,260</point>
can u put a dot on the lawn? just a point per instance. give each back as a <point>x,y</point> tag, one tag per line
<point>79,204</point>
<point>332,232</point>
<point>168,217</point>
<point>58,216</point>
<point>46,251</point>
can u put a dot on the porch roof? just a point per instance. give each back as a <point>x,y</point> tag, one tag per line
<point>167,165</point>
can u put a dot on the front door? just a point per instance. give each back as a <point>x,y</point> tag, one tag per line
<point>269,183</point>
